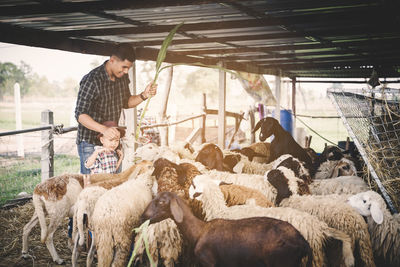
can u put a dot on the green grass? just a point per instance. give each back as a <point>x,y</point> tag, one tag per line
<point>22,175</point>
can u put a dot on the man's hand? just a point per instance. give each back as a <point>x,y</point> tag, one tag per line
<point>111,133</point>
<point>151,90</point>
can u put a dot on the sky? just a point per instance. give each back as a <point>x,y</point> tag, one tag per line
<point>56,65</point>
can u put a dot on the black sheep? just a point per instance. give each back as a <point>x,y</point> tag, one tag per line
<point>283,142</point>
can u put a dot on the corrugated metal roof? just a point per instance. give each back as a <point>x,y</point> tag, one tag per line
<point>299,38</point>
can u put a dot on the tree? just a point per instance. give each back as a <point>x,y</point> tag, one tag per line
<point>10,74</point>
<point>201,81</point>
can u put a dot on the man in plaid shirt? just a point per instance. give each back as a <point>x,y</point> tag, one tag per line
<point>103,93</point>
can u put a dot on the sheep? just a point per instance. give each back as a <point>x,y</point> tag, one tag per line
<point>244,165</point>
<point>335,168</point>
<point>152,152</point>
<point>384,227</point>
<point>254,242</point>
<point>335,214</point>
<point>339,185</point>
<point>251,154</point>
<point>239,195</point>
<point>84,206</point>
<point>283,142</point>
<point>211,156</point>
<point>262,148</point>
<point>164,239</point>
<point>114,216</point>
<point>295,165</point>
<point>256,182</point>
<point>57,196</point>
<point>313,230</point>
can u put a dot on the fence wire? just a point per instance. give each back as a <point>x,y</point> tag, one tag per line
<point>372,118</point>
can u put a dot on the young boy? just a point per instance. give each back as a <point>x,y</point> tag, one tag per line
<point>106,158</point>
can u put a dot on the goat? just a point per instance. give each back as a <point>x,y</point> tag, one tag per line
<point>254,241</point>
<point>283,142</point>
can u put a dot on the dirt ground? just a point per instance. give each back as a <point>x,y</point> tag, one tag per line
<point>12,222</point>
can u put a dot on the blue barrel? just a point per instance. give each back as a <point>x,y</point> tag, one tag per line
<point>286,120</point>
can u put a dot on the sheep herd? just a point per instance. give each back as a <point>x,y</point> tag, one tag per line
<point>263,205</point>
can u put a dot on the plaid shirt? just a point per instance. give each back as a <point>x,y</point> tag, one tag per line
<point>106,162</point>
<point>101,99</point>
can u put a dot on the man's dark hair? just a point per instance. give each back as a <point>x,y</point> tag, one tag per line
<point>124,51</point>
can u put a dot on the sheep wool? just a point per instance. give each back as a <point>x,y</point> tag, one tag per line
<point>337,215</point>
<point>256,182</point>
<point>239,195</point>
<point>339,185</point>
<point>115,214</point>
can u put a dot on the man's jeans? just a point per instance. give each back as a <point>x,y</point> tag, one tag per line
<point>85,150</point>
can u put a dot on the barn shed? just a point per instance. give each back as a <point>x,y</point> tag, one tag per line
<point>302,40</point>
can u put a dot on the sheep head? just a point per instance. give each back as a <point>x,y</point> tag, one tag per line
<point>344,167</point>
<point>211,156</point>
<point>366,204</point>
<point>268,127</point>
<point>165,205</point>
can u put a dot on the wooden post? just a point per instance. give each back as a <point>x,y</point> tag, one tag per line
<point>163,109</point>
<point>18,120</point>
<point>128,142</point>
<point>47,156</point>
<point>294,103</point>
<point>203,120</point>
<point>252,124</point>
<point>221,107</point>
<point>278,96</point>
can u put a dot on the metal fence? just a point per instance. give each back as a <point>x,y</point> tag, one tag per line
<point>48,150</point>
<point>372,118</point>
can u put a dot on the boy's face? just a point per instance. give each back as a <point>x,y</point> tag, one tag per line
<point>111,144</point>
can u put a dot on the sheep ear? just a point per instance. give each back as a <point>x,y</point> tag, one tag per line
<point>176,210</point>
<point>258,125</point>
<point>238,167</point>
<point>376,213</point>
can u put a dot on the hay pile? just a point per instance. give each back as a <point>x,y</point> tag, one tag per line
<point>12,222</point>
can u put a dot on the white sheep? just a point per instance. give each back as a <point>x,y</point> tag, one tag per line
<point>84,206</point>
<point>57,197</point>
<point>313,230</point>
<point>115,214</point>
<point>338,185</point>
<point>336,214</point>
<point>384,227</point>
<point>152,152</point>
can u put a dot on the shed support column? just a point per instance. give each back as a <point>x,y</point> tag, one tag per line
<point>294,104</point>
<point>278,95</point>
<point>163,108</point>
<point>47,156</point>
<point>203,120</point>
<point>221,107</point>
<point>128,142</point>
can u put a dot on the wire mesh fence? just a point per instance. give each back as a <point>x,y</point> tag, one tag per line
<point>372,118</point>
